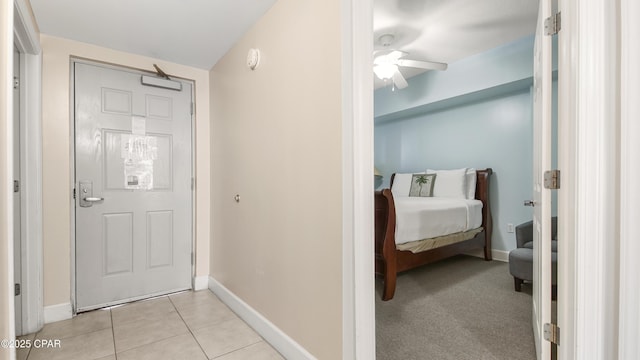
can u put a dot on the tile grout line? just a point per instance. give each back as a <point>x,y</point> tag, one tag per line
<point>241,348</point>
<point>188,328</point>
<point>113,334</point>
<point>29,351</point>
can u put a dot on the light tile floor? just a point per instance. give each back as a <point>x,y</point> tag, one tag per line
<point>188,325</point>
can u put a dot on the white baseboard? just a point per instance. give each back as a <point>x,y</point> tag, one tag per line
<point>498,255</point>
<point>200,283</point>
<point>271,333</point>
<point>57,312</point>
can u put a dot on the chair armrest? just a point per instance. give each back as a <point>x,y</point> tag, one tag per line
<point>524,233</point>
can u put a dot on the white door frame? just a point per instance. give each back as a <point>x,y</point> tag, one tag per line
<point>358,290</point>
<point>629,328</point>
<point>588,199</point>
<point>542,138</point>
<point>72,163</point>
<point>27,41</point>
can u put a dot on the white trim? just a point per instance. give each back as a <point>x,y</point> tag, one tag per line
<point>358,292</point>
<point>28,44</point>
<point>271,333</point>
<point>200,282</point>
<point>59,312</point>
<point>567,312</point>
<point>7,310</point>
<point>592,87</point>
<point>24,26</point>
<point>629,316</point>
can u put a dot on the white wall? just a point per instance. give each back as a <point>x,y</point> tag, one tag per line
<point>56,122</point>
<point>277,135</point>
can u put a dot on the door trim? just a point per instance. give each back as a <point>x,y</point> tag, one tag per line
<point>358,300</point>
<point>72,165</point>
<point>629,327</point>
<point>588,277</point>
<point>27,41</point>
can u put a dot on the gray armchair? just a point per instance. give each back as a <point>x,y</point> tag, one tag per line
<point>521,258</point>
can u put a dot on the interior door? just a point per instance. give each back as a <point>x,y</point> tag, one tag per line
<point>541,313</point>
<point>17,234</point>
<point>133,187</point>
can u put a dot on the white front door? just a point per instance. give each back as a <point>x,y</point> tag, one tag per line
<point>133,183</point>
<point>541,313</point>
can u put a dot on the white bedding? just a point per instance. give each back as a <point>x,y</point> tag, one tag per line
<point>420,218</point>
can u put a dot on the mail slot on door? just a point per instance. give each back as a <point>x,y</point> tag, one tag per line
<point>86,194</point>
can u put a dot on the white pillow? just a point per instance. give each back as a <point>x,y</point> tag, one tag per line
<point>472,178</point>
<point>402,184</point>
<point>450,183</point>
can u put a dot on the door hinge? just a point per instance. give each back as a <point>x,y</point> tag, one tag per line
<point>16,186</point>
<point>16,82</point>
<point>74,193</point>
<point>552,333</point>
<point>191,108</point>
<point>17,289</point>
<point>552,179</point>
<point>552,24</point>
<point>193,183</point>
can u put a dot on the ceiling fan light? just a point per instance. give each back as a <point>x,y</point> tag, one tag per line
<point>385,71</point>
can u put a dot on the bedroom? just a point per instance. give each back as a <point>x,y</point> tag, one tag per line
<point>482,101</point>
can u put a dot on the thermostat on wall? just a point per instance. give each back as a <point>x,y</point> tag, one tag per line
<point>253,59</point>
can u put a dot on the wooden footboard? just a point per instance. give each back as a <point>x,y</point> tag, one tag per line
<point>389,261</point>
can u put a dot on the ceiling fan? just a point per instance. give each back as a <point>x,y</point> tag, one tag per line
<point>386,63</point>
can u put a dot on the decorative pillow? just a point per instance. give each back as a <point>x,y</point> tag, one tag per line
<point>450,183</point>
<point>472,178</point>
<point>422,185</point>
<point>402,184</point>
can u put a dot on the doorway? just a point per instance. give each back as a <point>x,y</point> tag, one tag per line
<point>458,118</point>
<point>133,185</point>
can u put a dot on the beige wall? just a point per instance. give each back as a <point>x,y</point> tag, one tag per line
<point>276,141</point>
<point>56,122</point>
<point>6,234</point>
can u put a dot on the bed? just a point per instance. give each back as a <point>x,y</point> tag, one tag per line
<point>392,258</point>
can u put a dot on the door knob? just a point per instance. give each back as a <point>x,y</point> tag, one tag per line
<point>529,203</point>
<point>92,199</point>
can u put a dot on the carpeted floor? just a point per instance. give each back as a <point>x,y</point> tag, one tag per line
<point>460,308</point>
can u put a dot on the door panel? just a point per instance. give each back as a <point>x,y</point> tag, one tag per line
<point>541,310</point>
<point>133,168</point>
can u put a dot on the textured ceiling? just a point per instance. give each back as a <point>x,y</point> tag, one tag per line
<point>189,32</point>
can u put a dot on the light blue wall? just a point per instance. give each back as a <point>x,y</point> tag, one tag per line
<point>478,114</point>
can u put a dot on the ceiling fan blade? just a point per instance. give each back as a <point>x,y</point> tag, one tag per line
<point>429,65</point>
<point>395,55</point>
<point>388,57</point>
<point>399,80</point>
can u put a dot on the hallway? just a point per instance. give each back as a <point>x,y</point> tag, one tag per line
<point>187,325</point>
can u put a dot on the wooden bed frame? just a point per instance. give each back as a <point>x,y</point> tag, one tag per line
<point>390,261</point>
